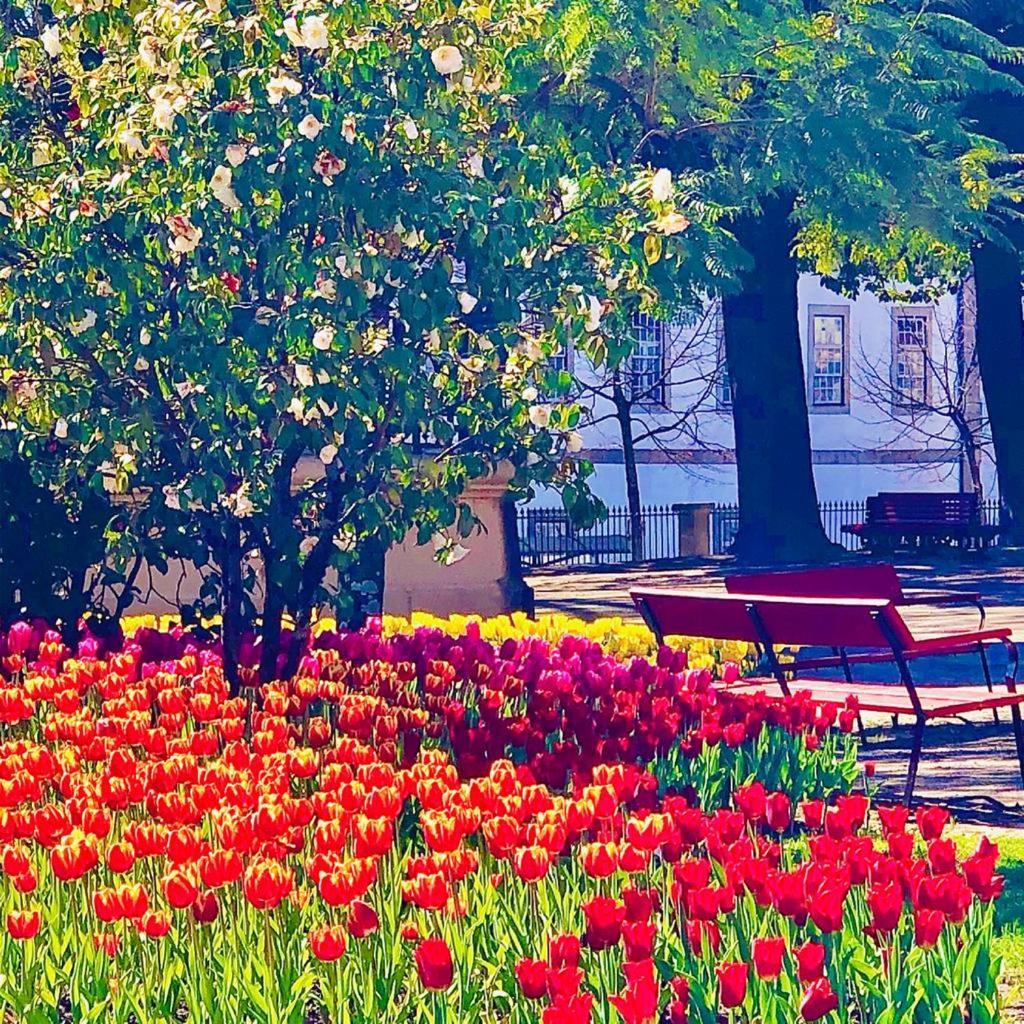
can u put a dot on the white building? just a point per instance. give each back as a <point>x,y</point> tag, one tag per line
<point>882,383</point>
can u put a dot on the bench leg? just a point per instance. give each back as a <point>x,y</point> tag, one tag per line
<point>988,678</point>
<point>915,760</point>
<point>1018,738</point>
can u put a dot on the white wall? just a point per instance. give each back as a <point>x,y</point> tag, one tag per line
<point>849,445</point>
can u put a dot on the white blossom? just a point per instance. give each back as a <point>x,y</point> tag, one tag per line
<point>149,52</point>
<point>323,338</point>
<point>280,87</point>
<point>235,154</point>
<point>311,35</point>
<point>447,60</point>
<point>467,302</point>
<point>540,415</point>
<point>131,141</point>
<point>60,428</point>
<point>310,127</point>
<point>77,327</point>
<point>328,453</point>
<point>661,185</point>
<point>671,224</point>
<point>594,313</point>
<point>185,235</point>
<point>574,442</point>
<point>50,38</point>
<point>220,185</point>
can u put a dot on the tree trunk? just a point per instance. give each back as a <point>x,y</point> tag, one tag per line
<point>779,517</point>
<point>1000,346</point>
<point>274,602</point>
<point>231,600</point>
<point>623,413</point>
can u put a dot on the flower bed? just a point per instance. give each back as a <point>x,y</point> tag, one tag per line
<point>427,826</point>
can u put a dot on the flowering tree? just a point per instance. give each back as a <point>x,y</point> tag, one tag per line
<point>263,277</point>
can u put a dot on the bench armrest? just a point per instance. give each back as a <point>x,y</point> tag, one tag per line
<point>939,597</point>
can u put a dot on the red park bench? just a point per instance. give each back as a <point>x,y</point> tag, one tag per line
<point>914,519</point>
<point>865,579</point>
<point>860,631</point>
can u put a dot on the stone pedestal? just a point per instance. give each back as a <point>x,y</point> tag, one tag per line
<point>487,581</point>
<point>694,524</point>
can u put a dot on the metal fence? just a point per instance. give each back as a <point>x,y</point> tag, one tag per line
<point>547,537</point>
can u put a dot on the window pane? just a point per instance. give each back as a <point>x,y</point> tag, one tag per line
<point>723,385</point>
<point>910,358</point>
<point>828,374</point>
<point>645,367</point>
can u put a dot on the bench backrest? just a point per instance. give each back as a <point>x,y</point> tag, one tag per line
<point>923,507</point>
<point>869,580</point>
<point>791,621</point>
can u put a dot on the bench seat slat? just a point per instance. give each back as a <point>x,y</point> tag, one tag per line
<point>890,699</point>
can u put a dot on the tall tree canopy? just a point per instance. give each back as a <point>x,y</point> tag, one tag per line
<point>830,135</point>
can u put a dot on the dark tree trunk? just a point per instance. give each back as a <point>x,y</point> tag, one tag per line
<point>274,603</point>
<point>999,340</point>
<point>779,517</point>
<point>624,414</point>
<point>368,594</point>
<point>231,600</point>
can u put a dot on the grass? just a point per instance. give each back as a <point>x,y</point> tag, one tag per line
<point>1009,938</point>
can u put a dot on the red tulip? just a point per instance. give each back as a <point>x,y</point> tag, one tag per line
<point>434,963</point>
<point>179,889</point>
<point>928,927</point>
<point>532,863</point>
<point>327,942</point>
<point>564,951</point>
<point>931,821</point>
<point>638,939</point>
<point>155,924</point>
<point>205,907</point>
<point>813,813</point>
<point>732,983</point>
<point>893,819</point>
<point>605,917</point>
<point>362,919</point>
<point>819,1000</point>
<point>810,961</point>
<point>23,924</point>
<point>767,956</point>
<point>532,978</point>
<point>778,812</point>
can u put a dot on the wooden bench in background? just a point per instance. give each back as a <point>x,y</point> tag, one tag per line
<point>860,631</point>
<point>897,520</point>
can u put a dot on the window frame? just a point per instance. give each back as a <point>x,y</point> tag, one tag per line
<point>927,313</point>
<point>820,408</point>
<point>723,379</point>
<point>650,400</point>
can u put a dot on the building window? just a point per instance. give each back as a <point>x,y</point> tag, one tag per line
<point>829,357</point>
<point>723,383</point>
<point>645,366</point>
<point>911,345</point>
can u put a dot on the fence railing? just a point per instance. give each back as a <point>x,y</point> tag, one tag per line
<point>660,533</point>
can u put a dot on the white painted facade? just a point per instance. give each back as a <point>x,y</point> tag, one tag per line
<point>865,437</point>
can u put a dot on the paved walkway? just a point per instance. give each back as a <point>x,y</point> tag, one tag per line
<point>970,766</point>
